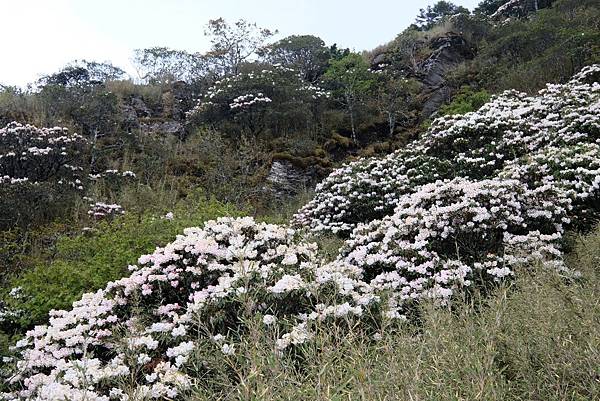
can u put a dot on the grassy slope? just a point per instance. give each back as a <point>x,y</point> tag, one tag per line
<point>84,263</point>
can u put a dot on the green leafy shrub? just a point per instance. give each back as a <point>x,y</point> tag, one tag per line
<point>465,101</point>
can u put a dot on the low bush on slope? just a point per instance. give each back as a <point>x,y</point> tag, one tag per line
<point>135,337</point>
<point>56,274</point>
<point>535,338</point>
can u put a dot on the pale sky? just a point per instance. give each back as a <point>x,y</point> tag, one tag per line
<point>40,36</point>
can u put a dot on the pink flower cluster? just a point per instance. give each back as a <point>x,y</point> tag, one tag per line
<point>135,337</point>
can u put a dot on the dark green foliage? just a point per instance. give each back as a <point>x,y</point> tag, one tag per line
<point>433,15</point>
<point>465,101</point>
<point>551,46</point>
<point>92,109</point>
<point>351,82</point>
<point>305,53</point>
<point>264,102</point>
<point>83,73</point>
<point>489,7</point>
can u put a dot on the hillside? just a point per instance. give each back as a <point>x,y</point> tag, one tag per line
<point>419,221</point>
<point>153,333</point>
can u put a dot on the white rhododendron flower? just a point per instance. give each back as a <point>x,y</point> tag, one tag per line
<point>228,349</point>
<point>472,202</point>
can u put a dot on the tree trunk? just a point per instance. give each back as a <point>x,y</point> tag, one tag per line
<point>392,123</point>
<point>352,124</point>
<point>350,103</point>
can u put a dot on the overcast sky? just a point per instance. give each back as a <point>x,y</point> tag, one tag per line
<point>40,36</point>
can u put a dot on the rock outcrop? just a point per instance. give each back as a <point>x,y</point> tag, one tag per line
<point>448,52</point>
<point>167,117</point>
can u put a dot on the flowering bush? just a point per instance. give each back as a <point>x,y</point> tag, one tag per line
<point>368,189</point>
<point>38,165</point>
<point>36,155</point>
<point>454,234</point>
<point>476,145</point>
<point>102,211</point>
<point>133,339</point>
<point>574,169</point>
<point>258,101</point>
<point>108,182</point>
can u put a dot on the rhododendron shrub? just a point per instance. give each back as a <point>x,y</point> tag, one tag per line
<point>104,211</point>
<point>573,169</point>
<point>477,145</point>
<point>134,338</point>
<point>368,189</point>
<point>450,235</point>
<point>111,181</point>
<point>38,165</point>
<point>276,98</point>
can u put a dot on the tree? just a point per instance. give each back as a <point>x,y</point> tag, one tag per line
<point>405,50</point>
<point>506,8</point>
<point>351,80</point>
<point>306,53</point>
<point>163,65</point>
<point>78,93</point>
<point>101,72</point>
<point>234,44</point>
<point>336,53</point>
<point>268,100</point>
<point>430,16</point>
<point>81,73</point>
<point>395,97</point>
<point>489,7</point>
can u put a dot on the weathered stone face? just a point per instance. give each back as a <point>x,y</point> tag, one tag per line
<point>448,52</point>
<point>286,179</point>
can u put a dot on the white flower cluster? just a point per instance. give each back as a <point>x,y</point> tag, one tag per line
<point>512,128</point>
<point>467,205</point>
<point>112,174</point>
<point>574,169</point>
<point>248,100</point>
<point>101,211</point>
<point>9,314</point>
<point>368,189</point>
<point>30,155</point>
<point>242,91</point>
<point>147,325</point>
<point>10,180</point>
<point>453,234</point>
